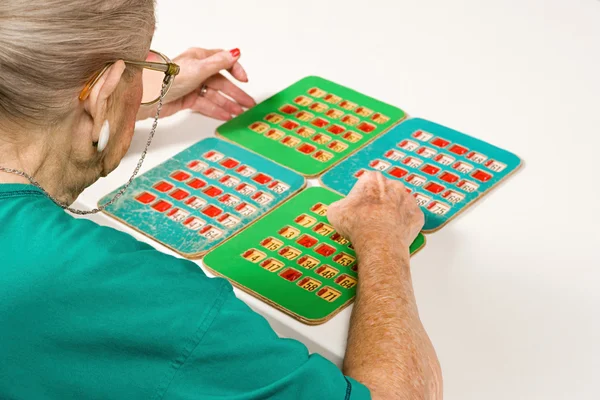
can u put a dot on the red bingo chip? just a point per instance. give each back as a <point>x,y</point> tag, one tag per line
<point>262,178</point>
<point>161,206</point>
<point>290,274</point>
<point>212,211</point>
<point>319,122</point>
<point>434,187</point>
<point>179,194</point>
<point>180,176</point>
<point>212,191</point>
<point>448,177</point>
<point>307,241</point>
<point>430,169</point>
<point>230,163</point>
<point>163,186</point>
<point>366,127</point>
<point>145,198</point>
<point>288,109</point>
<point>481,176</point>
<point>196,183</point>
<point>306,148</point>
<point>335,129</point>
<point>291,125</point>
<point>439,142</point>
<point>325,250</point>
<point>456,149</point>
<point>397,172</point>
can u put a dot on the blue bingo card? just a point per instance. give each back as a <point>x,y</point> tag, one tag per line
<point>444,169</point>
<point>203,195</point>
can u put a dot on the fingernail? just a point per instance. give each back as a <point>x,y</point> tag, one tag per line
<point>235,52</point>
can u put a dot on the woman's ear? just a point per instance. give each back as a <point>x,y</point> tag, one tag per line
<point>96,103</point>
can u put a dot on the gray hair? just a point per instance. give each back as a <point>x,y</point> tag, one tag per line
<point>49,49</point>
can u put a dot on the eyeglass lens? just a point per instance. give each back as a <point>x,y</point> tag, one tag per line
<point>153,80</point>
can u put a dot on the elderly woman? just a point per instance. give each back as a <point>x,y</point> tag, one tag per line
<point>89,312</point>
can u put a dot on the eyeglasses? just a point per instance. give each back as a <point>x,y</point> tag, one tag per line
<point>158,70</point>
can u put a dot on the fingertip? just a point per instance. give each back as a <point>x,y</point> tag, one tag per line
<point>248,102</point>
<point>332,208</point>
<point>210,66</point>
<point>369,175</point>
<point>242,76</point>
<point>223,115</point>
<point>238,72</point>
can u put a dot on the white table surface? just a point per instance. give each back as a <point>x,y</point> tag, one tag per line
<point>508,291</point>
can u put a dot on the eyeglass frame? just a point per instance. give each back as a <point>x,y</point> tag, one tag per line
<point>169,68</point>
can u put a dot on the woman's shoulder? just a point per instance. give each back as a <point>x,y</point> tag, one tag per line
<point>38,230</point>
<point>97,300</point>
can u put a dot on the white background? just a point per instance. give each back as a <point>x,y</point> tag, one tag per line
<point>509,290</point>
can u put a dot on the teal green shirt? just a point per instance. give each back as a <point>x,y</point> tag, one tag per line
<point>88,312</point>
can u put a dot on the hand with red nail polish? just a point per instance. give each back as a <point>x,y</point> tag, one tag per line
<point>201,68</point>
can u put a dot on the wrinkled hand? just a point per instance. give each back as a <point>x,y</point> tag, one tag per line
<point>202,67</point>
<point>377,207</point>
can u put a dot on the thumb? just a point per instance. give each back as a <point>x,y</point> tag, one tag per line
<point>217,62</point>
<point>335,211</point>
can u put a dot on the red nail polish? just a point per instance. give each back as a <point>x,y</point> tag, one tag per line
<point>235,52</point>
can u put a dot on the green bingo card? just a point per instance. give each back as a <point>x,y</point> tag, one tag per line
<point>293,259</point>
<point>311,125</point>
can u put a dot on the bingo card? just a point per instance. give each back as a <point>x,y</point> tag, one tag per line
<point>293,259</point>
<point>446,170</point>
<point>203,195</point>
<point>311,125</point>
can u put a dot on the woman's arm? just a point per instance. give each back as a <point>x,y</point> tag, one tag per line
<point>388,349</point>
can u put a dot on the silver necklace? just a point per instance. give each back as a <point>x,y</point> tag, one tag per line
<point>120,192</point>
